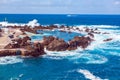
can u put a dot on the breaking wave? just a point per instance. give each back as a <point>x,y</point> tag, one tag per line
<point>32,23</point>
<point>89,75</point>
<point>10,60</point>
<point>77,57</point>
<point>80,56</point>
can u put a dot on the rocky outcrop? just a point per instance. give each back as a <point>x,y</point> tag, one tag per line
<point>79,42</point>
<point>60,45</point>
<point>57,45</point>
<point>10,52</point>
<point>31,49</point>
<point>18,43</point>
<point>28,29</point>
<point>91,35</point>
<point>50,43</point>
<point>35,50</point>
<point>48,40</point>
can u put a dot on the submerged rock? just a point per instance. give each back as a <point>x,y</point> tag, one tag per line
<point>109,39</point>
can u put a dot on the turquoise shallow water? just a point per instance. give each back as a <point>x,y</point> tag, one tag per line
<point>62,35</point>
<point>100,61</point>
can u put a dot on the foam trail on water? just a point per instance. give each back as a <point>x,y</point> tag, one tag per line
<point>89,58</point>
<point>76,56</point>
<point>10,60</point>
<point>89,75</point>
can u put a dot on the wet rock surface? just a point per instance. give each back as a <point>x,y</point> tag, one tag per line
<point>57,45</point>
<point>109,39</point>
<point>51,43</point>
<point>31,49</point>
<point>79,42</point>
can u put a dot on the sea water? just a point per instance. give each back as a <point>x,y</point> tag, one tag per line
<point>100,61</point>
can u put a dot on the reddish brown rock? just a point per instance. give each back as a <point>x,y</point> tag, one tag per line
<point>28,29</point>
<point>10,52</point>
<point>31,49</point>
<point>47,40</point>
<point>72,45</point>
<point>79,41</point>
<point>57,45</point>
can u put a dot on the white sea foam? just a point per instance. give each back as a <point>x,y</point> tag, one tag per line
<point>89,59</point>
<point>15,78</point>
<point>61,54</point>
<point>98,26</point>
<point>10,60</point>
<point>115,53</point>
<point>76,56</point>
<point>32,23</point>
<point>89,75</point>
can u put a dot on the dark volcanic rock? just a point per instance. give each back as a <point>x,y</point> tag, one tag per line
<point>109,39</point>
<point>34,50</point>
<point>31,49</point>
<point>72,45</point>
<point>18,43</point>
<point>47,40</point>
<point>92,35</point>
<point>0,30</point>
<point>57,45</point>
<point>28,29</point>
<point>79,41</point>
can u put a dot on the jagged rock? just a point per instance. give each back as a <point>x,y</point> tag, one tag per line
<point>28,29</point>
<point>18,43</point>
<point>47,40</point>
<point>34,49</point>
<point>79,41</point>
<point>92,35</point>
<point>72,45</point>
<point>24,41</point>
<point>57,45</point>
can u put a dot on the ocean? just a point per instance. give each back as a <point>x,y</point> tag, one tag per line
<point>99,61</point>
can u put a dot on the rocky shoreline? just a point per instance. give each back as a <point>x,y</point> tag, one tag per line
<point>25,47</point>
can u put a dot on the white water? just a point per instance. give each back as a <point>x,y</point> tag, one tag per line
<point>89,75</point>
<point>97,44</point>
<point>10,60</point>
<point>32,23</point>
<point>76,56</point>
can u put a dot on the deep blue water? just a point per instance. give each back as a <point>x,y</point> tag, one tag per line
<point>64,19</point>
<point>102,60</point>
